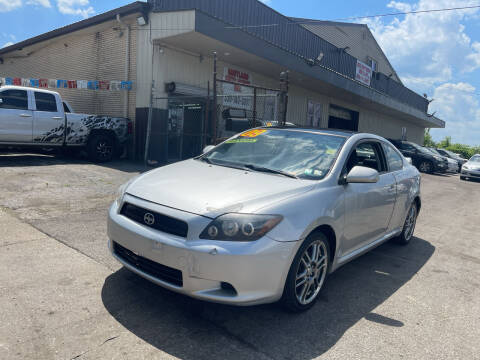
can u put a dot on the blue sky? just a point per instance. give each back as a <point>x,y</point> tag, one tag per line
<point>437,53</point>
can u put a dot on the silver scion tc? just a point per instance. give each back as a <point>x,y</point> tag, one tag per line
<point>266,215</point>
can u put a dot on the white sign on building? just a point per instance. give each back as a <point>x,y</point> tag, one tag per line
<point>237,96</point>
<point>364,73</point>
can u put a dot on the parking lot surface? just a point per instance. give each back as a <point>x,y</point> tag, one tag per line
<point>64,297</point>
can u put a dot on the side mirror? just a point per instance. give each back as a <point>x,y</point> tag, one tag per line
<point>362,175</point>
<point>208,148</point>
<point>409,160</point>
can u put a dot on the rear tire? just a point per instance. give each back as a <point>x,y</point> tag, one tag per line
<point>463,178</point>
<point>409,226</point>
<point>308,273</point>
<point>101,148</point>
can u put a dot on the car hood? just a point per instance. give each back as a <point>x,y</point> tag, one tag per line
<point>472,165</point>
<point>211,190</point>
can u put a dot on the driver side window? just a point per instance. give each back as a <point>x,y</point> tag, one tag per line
<point>366,154</point>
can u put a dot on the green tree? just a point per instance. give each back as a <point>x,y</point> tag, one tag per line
<point>445,143</point>
<point>428,140</point>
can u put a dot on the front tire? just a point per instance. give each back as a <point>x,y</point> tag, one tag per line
<point>409,226</point>
<point>425,167</point>
<point>463,178</point>
<point>307,274</point>
<point>101,148</point>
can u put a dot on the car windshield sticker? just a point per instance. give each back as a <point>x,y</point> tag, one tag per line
<point>331,151</point>
<point>253,133</point>
<point>241,141</point>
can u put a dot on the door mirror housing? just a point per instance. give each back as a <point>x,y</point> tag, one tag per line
<point>409,160</point>
<point>362,175</point>
<point>208,148</point>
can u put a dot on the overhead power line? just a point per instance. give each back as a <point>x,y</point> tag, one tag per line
<point>361,17</point>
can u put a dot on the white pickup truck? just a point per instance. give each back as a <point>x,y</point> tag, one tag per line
<point>31,117</point>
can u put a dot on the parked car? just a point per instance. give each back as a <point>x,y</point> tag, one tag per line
<point>266,215</point>
<point>422,159</point>
<point>31,117</point>
<point>471,169</point>
<point>460,161</point>
<point>452,164</point>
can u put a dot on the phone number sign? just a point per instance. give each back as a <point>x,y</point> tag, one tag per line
<point>364,73</point>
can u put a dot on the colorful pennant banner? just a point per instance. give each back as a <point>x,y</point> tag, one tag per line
<point>104,85</point>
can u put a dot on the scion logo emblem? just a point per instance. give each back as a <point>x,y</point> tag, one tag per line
<point>149,219</point>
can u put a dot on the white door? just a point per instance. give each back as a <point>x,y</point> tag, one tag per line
<point>15,117</point>
<point>49,120</point>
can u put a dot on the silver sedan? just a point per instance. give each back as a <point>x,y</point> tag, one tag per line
<point>265,216</point>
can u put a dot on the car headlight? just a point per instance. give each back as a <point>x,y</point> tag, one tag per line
<point>438,158</point>
<point>240,227</point>
<point>465,167</point>
<point>122,190</point>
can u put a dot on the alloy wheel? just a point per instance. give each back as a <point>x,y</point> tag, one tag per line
<point>311,272</point>
<point>104,149</point>
<point>425,167</point>
<point>410,223</point>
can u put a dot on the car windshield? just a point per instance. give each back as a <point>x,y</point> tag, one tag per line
<point>452,154</point>
<point>434,151</point>
<point>475,159</point>
<point>294,153</point>
<point>421,149</point>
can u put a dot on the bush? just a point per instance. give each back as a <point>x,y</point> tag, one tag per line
<point>465,151</point>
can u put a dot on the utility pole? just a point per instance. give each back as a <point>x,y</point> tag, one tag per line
<point>214,110</point>
<point>283,97</point>
<point>149,126</point>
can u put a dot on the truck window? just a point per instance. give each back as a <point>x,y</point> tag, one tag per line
<point>45,102</point>
<point>14,99</point>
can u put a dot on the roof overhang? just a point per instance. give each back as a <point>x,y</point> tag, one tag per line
<point>245,50</point>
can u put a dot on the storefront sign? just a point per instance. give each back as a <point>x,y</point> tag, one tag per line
<point>237,96</point>
<point>364,73</point>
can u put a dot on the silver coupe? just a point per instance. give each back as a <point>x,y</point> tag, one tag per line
<point>265,216</point>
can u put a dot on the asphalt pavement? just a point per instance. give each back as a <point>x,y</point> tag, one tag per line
<point>62,296</point>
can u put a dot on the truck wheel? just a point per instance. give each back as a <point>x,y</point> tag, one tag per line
<point>101,148</point>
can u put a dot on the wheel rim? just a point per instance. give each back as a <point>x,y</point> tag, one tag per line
<point>424,167</point>
<point>410,223</point>
<point>311,272</point>
<point>104,149</point>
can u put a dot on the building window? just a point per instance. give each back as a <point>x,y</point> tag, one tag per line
<point>373,64</point>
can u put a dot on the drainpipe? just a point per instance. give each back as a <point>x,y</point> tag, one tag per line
<point>127,65</point>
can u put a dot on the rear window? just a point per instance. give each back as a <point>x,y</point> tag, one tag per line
<point>45,102</point>
<point>14,99</point>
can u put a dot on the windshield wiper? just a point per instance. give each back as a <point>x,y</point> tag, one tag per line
<point>205,159</point>
<point>267,170</point>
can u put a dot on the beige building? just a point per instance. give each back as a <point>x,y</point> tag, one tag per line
<point>170,45</point>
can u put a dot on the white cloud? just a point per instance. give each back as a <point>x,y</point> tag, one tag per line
<point>44,3</point>
<point>429,51</point>
<point>9,5</point>
<point>75,7</point>
<point>7,44</point>
<point>435,41</point>
<point>459,104</point>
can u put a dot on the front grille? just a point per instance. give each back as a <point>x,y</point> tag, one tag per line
<point>161,222</point>
<point>159,271</point>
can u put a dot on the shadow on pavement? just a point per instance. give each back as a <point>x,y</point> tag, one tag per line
<point>25,159</point>
<point>191,329</point>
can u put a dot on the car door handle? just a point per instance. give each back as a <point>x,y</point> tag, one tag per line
<point>57,118</point>
<point>25,115</point>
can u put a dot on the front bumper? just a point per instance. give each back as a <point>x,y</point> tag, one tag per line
<point>256,270</point>
<point>471,173</point>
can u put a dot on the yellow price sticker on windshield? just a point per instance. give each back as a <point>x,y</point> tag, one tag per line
<point>331,151</point>
<point>253,133</point>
